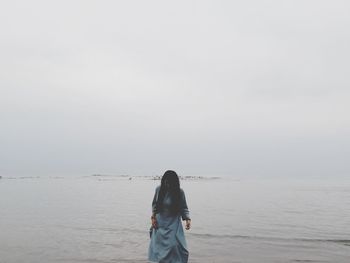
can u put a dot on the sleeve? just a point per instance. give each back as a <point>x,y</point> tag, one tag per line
<point>154,202</point>
<point>185,213</point>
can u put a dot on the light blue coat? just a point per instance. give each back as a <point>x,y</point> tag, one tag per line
<point>168,243</point>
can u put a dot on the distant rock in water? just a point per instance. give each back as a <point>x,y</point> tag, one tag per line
<point>110,175</point>
<point>105,177</point>
<point>0,176</point>
<point>157,177</point>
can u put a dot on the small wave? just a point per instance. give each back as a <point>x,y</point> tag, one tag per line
<point>345,242</point>
<point>306,260</point>
<point>228,236</point>
<point>220,236</point>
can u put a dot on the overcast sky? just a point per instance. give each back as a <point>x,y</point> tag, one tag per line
<point>202,87</point>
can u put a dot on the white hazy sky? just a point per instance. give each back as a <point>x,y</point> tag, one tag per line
<point>202,87</point>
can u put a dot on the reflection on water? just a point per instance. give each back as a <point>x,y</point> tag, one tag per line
<point>106,219</point>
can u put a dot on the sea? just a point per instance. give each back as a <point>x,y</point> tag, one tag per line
<point>106,218</point>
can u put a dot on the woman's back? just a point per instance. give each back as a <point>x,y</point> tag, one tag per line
<point>168,203</point>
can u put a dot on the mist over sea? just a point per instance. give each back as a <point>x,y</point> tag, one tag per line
<point>105,218</point>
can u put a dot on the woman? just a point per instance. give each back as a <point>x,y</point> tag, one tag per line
<point>168,243</point>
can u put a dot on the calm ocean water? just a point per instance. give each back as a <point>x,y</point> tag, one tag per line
<point>106,219</point>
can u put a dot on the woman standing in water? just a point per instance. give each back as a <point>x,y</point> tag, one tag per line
<point>168,243</point>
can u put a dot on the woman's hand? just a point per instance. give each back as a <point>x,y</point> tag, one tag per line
<point>188,224</point>
<point>154,221</point>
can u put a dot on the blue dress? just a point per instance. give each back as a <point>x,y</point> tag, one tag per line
<point>168,243</point>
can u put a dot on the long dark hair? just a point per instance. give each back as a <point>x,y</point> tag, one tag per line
<point>170,183</point>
